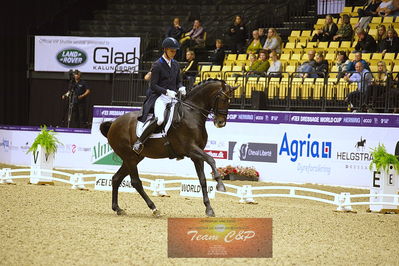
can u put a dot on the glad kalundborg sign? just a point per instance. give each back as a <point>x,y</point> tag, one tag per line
<point>88,54</point>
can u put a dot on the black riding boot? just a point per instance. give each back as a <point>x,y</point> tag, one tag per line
<point>139,145</point>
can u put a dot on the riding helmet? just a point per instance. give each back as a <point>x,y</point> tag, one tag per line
<point>171,43</point>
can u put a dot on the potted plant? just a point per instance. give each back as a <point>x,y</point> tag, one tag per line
<point>238,173</point>
<point>385,169</point>
<point>43,151</point>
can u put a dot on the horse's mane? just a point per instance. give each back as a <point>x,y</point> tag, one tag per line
<point>203,83</point>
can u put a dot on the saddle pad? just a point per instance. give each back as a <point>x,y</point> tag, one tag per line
<point>141,126</point>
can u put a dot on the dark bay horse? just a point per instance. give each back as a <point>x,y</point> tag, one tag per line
<point>188,139</point>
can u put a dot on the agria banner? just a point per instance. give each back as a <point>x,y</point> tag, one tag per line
<point>288,147</point>
<point>88,54</point>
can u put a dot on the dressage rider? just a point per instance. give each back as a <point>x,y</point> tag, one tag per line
<point>164,84</point>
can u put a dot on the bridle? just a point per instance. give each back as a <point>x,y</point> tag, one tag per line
<point>215,111</point>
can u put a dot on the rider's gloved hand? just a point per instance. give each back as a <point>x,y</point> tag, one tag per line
<point>171,94</point>
<point>182,91</point>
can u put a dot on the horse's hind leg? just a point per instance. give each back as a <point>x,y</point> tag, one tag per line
<point>138,185</point>
<point>116,181</point>
<point>199,167</point>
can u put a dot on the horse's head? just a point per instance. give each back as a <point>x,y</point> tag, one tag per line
<point>222,103</point>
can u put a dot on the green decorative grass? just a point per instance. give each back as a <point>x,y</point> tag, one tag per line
<point>46,139</point>
<point>382,159</point>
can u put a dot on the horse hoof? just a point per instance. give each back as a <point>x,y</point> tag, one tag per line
<point>221,188</point>
<point>210,213</point>
<point>156,213</point>
<point>120,212</point>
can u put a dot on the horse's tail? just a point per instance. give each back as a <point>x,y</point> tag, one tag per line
<point>104,127</point>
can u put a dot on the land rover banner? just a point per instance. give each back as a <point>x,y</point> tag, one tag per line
<point>88,54</point>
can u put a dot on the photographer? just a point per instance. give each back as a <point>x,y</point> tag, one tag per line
<point>77,96</point>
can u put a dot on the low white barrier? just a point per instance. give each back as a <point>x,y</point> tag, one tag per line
<point>245,193</point>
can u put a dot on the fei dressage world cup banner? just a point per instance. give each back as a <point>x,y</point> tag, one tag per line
<point>88,54</point>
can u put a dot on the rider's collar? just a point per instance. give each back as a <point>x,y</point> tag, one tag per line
<point>169,62</point>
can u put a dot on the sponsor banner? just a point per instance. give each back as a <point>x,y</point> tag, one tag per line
<point>220,238</point>
<point>88,54</point>
<point>192,188</point>
<point>74,151</point>
<point>104,183</point>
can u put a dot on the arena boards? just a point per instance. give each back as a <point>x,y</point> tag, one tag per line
<point>289,147</point>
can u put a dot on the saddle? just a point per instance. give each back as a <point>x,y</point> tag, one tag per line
<point>173,116</point>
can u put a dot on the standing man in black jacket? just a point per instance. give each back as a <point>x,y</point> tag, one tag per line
<point>164,84</point>
<point>239,35</point>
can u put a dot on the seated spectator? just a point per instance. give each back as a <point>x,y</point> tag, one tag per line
<point>238,35</point>
<point>380,78</point>
<point>365,43</point>
<point>276,67</point>
<point>191,70</point>
<point>342,63</point>
<point>193,38</point>
<point>308,66</point>
<point>363,78</point>
<point>370,10</point>
<point>218,54</point>
<point>392,9</point>
<point>262,36</point>
<point>175,30</point>
<point>384,8</point>
<point>391,42</point>
<point>381,35</point>
<point>345,31</point>
<point>259,67</point>
<point>320,67</point>
<point>273,41</point>
<point>328,31</point>
<point>379,83</point>
<point>255,45</point>
<point>358,58</point>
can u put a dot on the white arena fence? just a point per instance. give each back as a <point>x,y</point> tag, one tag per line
<point>245,193</point>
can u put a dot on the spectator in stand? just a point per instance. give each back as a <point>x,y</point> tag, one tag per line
<point>308,66</point>
<point>364,79</point>
<point>328,31</point>
<point>255,45</point>
<point>342,63</point>
<point>218,54</point>
<point>345,31</point>
<point>391,42</point>
<point>276,68</point>
<point>238,34</point>
<point>370,10</point>
<point>193,38</point>
<point>273,41</point>
<point>358,58</point>
<point>175,30</point>
<point>260,66</point>
<point>381,76</point>
<point>366,42</point>
<point>381,36</point>
<point>320,67</point>
<point>191,70</point>
<point>262,36</point>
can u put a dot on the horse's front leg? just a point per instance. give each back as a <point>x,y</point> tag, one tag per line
<point>199,167</point>
<point>200,154</point>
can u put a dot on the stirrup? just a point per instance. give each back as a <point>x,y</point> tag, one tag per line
<point>138,147</point>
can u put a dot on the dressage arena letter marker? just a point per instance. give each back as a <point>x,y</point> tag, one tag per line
<point>220,238</point>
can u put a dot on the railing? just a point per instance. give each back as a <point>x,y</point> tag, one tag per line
<point>246,193</point>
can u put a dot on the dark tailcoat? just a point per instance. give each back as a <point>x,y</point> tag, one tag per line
<point>163,78</point>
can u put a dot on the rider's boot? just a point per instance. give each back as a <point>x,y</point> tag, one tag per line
<point>139,145</point>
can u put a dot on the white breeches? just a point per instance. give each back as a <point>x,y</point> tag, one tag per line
<point>160,106</point>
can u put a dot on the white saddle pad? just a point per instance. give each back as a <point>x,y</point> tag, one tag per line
<point>141,126</point>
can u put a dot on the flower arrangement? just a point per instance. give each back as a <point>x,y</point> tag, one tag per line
<point>229,171</point>
<point>46,139</point>
<point>382,159</point>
